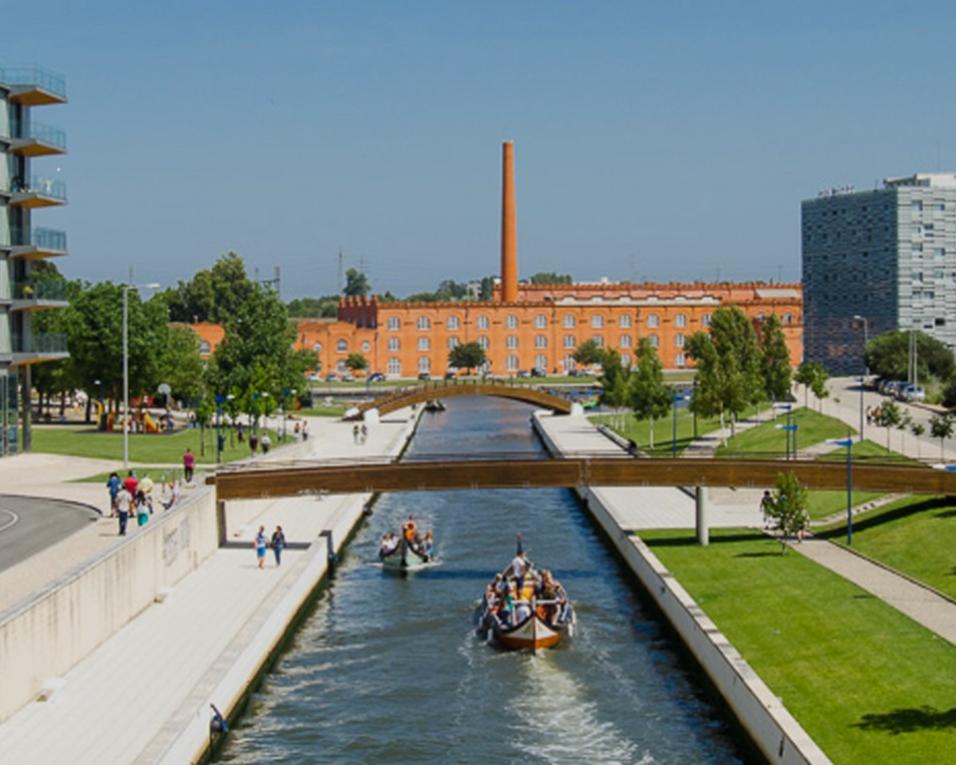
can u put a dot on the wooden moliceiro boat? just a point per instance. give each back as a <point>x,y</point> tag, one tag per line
<point>407,550</point>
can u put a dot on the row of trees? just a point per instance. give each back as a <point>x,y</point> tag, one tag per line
<point>254,368</point>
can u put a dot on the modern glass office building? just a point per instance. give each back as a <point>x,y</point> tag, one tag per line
<point>24,191</point>
<point>886,256</point>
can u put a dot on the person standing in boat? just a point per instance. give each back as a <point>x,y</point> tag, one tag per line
<point>428,544</point>
<point>519,569</point>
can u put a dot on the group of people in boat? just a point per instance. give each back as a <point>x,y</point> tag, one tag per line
<point>513,593</point>
<point>421,545</point>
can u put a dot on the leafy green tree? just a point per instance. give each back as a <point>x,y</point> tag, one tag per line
<point>588,353</point>
<point>887,355</point>
<point>467,356</point>
<point>212,294</point>
<point>941,427</point>
<point>356,283</point>
<point>356,361</point>
<point>649,396</point>
<point>614,380</point>
<point>812,376</point>
<point>889,417</point>
<point>788,508</point>
<point>486,290</point>
<point>918,429</point>
<point>180,365</point>
<point>326,307</point>
<point>550,277</point>
<point>774,359</point>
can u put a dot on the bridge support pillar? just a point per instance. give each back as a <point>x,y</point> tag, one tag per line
<point>700,500</point>
<point>221,522</point>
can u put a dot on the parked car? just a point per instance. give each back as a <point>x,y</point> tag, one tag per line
<point>524,373</point>
<point>348,377</point>
<point>451,374</point>
<point>315,377</point>
<point>424,376</point>
<point>331,377</point>
<point>912,393</point>
<point>376,377</point>
<point>890,387</point>
<point>538,372</point>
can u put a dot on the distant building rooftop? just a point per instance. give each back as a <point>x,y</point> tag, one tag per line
<point>933,180</point>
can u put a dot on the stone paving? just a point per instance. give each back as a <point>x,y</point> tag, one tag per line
<point>118,700</point>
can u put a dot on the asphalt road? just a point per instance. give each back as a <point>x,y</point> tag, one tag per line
<point>28,525</point>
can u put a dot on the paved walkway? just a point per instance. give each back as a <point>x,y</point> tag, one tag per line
<point>919,603</point>
<point>707,444</point>
<point>125,702</point>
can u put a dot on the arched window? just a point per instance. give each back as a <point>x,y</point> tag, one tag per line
<point>365,346</point>
<point>511,341</point>
<point>454,322</point>
<point>512,321</point>
<point>597,321</point>
<point>569,341</point>
<point>625,341</point>
<point>654,340</point>
<point>541,362</point>
<point>424,323</point>
<point>394,324</point>
<point>482,322</point>
<point>705,319</point>
<point>483,342</point>
<point>424,344</point>
<point>540,321</point>
<point>511,363</point>
<point>317,348</point>
<point>788,318</point>
<point>681,360</point>
<point>598,341</point>
<point>204,346</point>
<point>424,364</point>
<point>394,344</point>
<point>394,366</point>
<point>540,341</point>
<point>653,320</point>
<point>342,346</point>
<point>453,342</point>
<point>680,320</point>
<point>569,320</point>
<point>625,321</point>
<point>679,340</point>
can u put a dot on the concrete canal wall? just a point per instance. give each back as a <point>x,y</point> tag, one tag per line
<point>770,726</point>
<point>44,637</point>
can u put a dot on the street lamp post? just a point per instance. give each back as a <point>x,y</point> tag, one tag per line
<point>864,322</point>
<point>674,399</point>
<point>126,423</point>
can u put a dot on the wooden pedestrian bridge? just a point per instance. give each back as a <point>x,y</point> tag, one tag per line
<point>399,398</point>
<point>498,471</point>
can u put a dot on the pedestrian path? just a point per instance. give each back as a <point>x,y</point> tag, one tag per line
<point>707,444</point>
<point>919,603</point>
<point>128,700</point>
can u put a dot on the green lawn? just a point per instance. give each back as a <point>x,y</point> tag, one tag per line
<point>159,475</point>
<point>639,430</point>
<point>916,535</point>
<point>321,410</point>
<point>868,684</point>
<point>767,440</point>
<point>151,448</point>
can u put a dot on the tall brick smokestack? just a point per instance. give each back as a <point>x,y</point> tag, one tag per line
<point>509,231</point>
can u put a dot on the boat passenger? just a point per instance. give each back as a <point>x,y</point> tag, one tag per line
<point>428,544</point>
<point>522,611</point>
<point>409,530</point>
<point>519,568</point>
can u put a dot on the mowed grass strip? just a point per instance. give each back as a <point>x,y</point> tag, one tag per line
<point>143,447</point>
<point>769,441</point>
<point>916,535</point>
<point>867,683</point>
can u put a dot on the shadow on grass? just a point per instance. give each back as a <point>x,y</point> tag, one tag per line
<point>889,516</point>
<point>909,720</point>
<point>776,554</point>
<point>689,539</point>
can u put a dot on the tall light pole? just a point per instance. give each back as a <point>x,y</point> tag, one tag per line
<point>126,423</point>
<point>866,339</point>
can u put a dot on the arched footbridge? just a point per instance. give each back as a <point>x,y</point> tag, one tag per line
<point>440,389</point>
<point>501,472</point>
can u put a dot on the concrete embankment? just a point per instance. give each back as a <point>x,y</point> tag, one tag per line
<point>157,629</point>
<point>774,731</point>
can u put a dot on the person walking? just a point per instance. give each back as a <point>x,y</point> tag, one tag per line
<point>253,442</point>
<point>131,483</point>
<point>305,430</point>
<point>189,465</point>
<point>142,514</point>
<point>261,543</point>
<point>766,508</point>
<point>123,502</point>
<point>146,489</point>
<point>278,544</point>
<point>355,434</point>
<point>266,443</point>
<point>364,432</point>
<point>113,485</point>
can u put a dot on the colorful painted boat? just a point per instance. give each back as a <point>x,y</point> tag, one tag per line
<point>405,556</point>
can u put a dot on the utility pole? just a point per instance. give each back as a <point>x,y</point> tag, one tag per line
<point>340,281</point>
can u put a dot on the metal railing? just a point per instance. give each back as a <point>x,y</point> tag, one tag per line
<point>39,131</point>
<point>47,187</point>
<point>47,289</point>
<point>48,239</point>
<point>34,75</point>
<point>50,342</point>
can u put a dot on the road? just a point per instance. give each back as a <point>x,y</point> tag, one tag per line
<point>28,525</point>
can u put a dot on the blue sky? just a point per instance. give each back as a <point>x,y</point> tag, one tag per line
<point>653,140</point>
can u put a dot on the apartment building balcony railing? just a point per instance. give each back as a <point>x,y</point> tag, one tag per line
<point>35,295</point>
<point>39,192</point>
<point>33,85</point>
<point>36,244</point>
<point>39,140</point>
<point>44,346</point>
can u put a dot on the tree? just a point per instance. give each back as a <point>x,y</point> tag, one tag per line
<point>918,429</point>
<point>467,356</point>
<point>649,398</point>
<point>941,427</point>
<point>588,353</point>
<point>812,376</point>
<point>214,294</point>
<point>550,277</point>
<point>356,283</point>
<point>887,355</point>
<point>180,365</point>
<point>326,307</point>
<point>788,508</point>
<point>486,290</point>
<point>614,380</point>
<point>889,417</point>
<point>356,361</point>
<point>775,359</point>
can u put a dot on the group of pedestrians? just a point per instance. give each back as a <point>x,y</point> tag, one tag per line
<point>277,543</point>
<point>359,433</point>
<point>134,496</point>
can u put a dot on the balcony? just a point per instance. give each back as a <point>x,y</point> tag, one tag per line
<point>40,192</point>
<point>39,348</point>
<point>39,140</point>
<point>39,244</point>
<point>33,85</point>
<point>39,295</point>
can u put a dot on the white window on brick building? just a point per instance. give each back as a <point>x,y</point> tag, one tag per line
<point>511,363</point>
<point>482,322</point>
<point>680,360</point>
<point>625,321</point>
<point>680,320</point>
<point>653,320</point>
<point>654,340</point>
<point>540,341</point>
<point>424,364</point>
<point>598,341</point>
<point>679,340</point>
<point>424,323</point>
<point>394,344</point>
<point>540,321</point>
<point>453,342</point>
<point>512,321</point>
<point>424,344</point>
<point>597,321</point>
<point>342,346</point>
<point>788,318</point>
<point>705,319</point>
<point>394,366</point>
<point>317,348</point>
<point>394,324</point>
<point>511,341</point>
<point>365,346</point>
<point>483,342</point>
<point>625,341</point>
<point>541,362</point>
<point>569,341</point>
<point>454,322</point>
<point>569,321</point>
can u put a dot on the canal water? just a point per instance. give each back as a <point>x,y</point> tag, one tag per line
<point>388,669</point>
